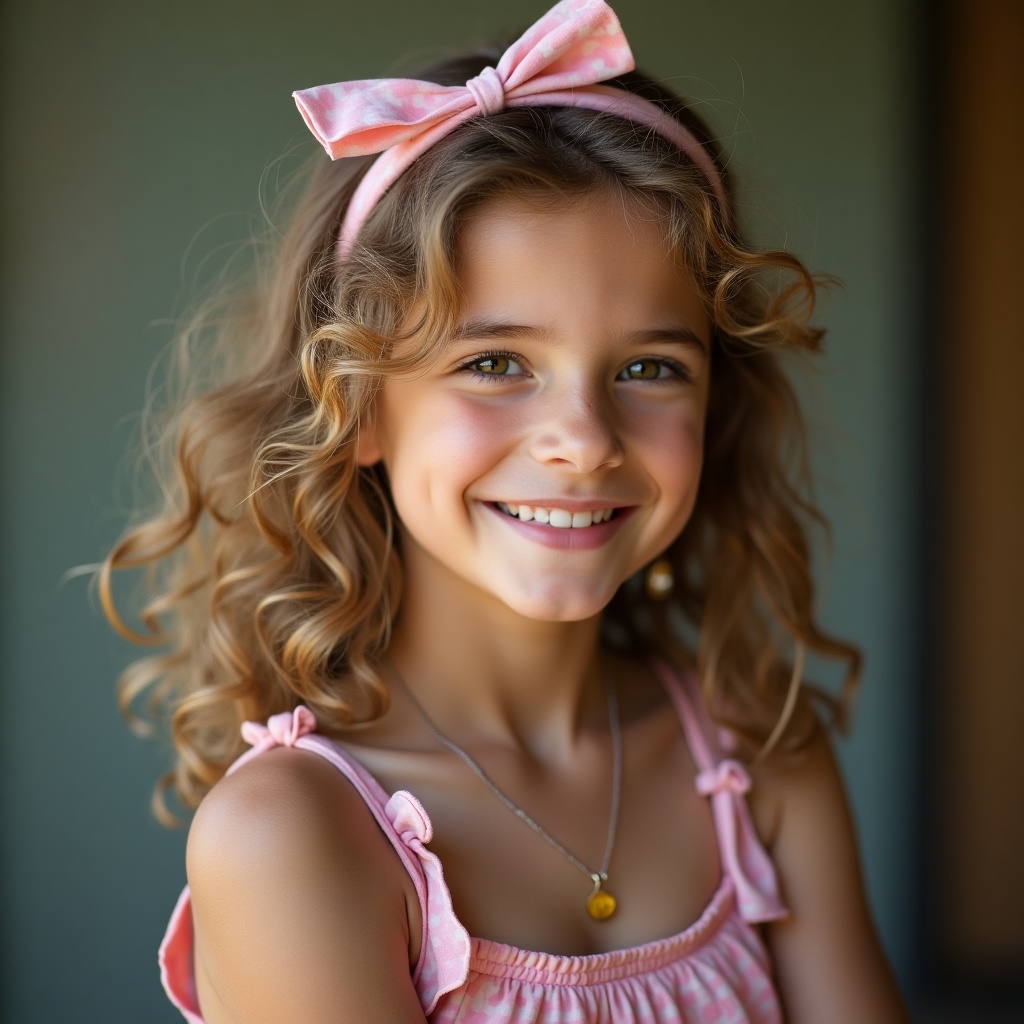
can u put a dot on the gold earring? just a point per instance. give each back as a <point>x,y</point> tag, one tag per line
<point>660,580</point>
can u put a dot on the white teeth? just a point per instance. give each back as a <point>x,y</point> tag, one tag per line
<point>561,518</point>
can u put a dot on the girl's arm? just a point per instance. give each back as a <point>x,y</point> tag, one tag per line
<point>301,908</point>
<point>829,964</point>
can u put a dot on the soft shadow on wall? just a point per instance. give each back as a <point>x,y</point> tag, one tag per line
<point>971,952</point>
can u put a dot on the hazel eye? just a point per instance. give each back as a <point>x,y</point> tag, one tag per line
<point>493,366</point>
<point>648,369</point>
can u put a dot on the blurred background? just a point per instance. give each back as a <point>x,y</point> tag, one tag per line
<point>880,140</point>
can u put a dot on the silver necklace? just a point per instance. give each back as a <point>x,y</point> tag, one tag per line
<point>601,903</point>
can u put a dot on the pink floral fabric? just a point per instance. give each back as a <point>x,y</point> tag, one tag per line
<point>717,971</point>
<point>559,61</point>
<point>577,43</point>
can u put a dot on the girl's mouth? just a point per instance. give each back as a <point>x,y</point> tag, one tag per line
<point>560,518</point>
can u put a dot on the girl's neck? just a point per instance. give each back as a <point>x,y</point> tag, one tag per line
<point>488,675</point>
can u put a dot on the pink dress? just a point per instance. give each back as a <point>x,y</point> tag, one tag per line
<point>717,970</point>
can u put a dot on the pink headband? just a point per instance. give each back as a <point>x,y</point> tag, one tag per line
<point>556,63</point>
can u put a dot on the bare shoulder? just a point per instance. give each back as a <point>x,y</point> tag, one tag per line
<point>828,959</point>
<point>287,804</point>
<point>300,905</point>
<point>787,783</point>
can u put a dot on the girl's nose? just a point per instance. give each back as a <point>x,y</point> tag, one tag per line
<point>576,427</point>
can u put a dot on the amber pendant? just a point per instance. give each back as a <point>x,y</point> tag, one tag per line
<point>601,903</point>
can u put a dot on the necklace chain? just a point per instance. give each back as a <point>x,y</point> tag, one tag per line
<point>614,728</point>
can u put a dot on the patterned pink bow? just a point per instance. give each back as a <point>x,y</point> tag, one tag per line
<point>557,62</point>
<point>578,42</point>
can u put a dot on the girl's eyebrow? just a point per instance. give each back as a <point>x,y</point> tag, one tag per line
<point>484,329</point>
<point>679,335</point>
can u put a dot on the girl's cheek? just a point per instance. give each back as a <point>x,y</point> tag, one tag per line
<point>457,438</point>
<point>487,420</point>
<point>475,432</point>
<point>681,425</point>
<point>675,456</point>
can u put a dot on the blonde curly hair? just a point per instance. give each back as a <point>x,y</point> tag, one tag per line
<point>274,571</point>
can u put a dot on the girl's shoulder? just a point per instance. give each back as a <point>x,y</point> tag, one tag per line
<point>826,953</point>
<point>789,785</point>
<point>290,877</point>
<point>282,802</point>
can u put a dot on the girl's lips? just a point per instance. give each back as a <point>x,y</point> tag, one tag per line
<point>556,515</point>
<point>585,538</point>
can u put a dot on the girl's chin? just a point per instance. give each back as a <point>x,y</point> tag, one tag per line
<point>558,605</point>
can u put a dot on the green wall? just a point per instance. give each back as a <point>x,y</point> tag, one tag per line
<point>129,128</point>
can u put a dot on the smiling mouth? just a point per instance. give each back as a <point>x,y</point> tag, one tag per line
<point>560,518</point>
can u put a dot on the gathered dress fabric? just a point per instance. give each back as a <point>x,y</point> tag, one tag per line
<point>716,971</point>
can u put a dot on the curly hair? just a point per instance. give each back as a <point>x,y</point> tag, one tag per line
<point>274,570</point>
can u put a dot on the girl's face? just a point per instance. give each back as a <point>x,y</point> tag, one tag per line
<point>574,392</point>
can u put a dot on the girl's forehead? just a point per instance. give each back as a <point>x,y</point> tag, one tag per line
<point>535,259</point>
<point>553,222</point>
<point>598,256</point>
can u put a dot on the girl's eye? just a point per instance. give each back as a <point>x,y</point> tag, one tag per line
<point>494,364</point>
<point>651,369</point>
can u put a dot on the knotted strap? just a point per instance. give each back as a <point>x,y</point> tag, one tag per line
<point>283,730</point>
<point>743,856</point>
<point>726,782</point>
<point>557,62</point>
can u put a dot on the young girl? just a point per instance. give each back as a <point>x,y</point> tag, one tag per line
<point>494,524</point>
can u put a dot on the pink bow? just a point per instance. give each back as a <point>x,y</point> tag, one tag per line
<point>577,43</point>
<point>558,62</point>
<point>743,856</point>
<point>727,776</point>
<point>283,730</point>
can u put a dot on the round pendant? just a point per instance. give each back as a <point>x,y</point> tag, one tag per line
<point>601,904</point>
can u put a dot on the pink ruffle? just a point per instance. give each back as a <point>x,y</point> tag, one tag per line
<point>444,962</point>
<point>177,974</point>
<point>715,971</point>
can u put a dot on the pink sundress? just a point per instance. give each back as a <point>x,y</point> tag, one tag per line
<point>717,971</point>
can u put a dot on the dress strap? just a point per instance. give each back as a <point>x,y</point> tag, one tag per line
<point>726,781</point>
<point>696,727</point>
<point>297,729</point>
<point>443,962</point>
